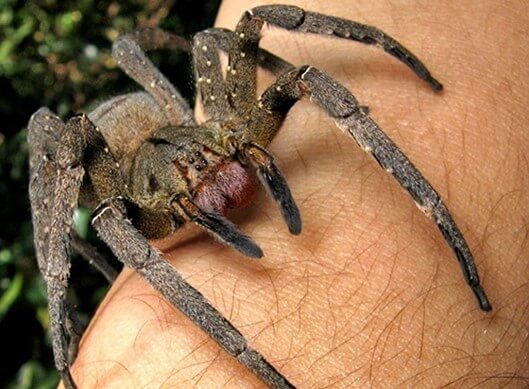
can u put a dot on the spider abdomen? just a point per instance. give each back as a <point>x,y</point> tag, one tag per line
<point>230,187</point>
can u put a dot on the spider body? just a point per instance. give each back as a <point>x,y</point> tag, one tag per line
<point>199,160</point>
<point>145,165</point>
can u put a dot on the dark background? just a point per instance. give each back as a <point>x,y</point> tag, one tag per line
<point>57,54</point>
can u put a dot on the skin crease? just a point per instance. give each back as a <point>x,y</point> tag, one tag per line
<point>369,293</point>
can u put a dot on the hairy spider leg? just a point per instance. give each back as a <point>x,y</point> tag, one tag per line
<point>343,107</point>
<point>211,84</point>
<point>128,51</point>
<point>298,20</point>
<point>244,53</point>
<point>209,78</point>
<point>54,190</point>
<point>44,132</point>
<point>90,253</point>
<point>241,72</point>
<point>134,250</point>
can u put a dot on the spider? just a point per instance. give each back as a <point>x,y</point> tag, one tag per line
<point>145,166</point>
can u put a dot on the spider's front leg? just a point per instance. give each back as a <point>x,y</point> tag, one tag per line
<point>297,19</point>
<point>129,52</point>
<point>342,106</point>
<point>244,54</point>
<point>134,251</point>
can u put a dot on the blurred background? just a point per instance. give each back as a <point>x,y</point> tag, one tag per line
<point>57,54</point>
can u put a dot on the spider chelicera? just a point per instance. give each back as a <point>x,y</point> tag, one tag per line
<point>145,166</point>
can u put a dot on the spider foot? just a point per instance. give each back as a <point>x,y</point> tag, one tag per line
<point>482,298</point>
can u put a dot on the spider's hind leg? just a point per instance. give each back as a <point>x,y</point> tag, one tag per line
<point>208,75</point>
<point>59,154</point>
<point>56,178</point>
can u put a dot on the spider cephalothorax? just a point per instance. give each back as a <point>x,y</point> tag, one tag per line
<point>145,166</point>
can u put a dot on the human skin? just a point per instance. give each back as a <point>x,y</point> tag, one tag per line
<point>369,293</point>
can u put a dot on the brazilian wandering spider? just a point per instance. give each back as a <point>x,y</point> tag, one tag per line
<point>145,166</point>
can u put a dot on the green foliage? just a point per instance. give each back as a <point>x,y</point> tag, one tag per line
<point>57,54</point>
